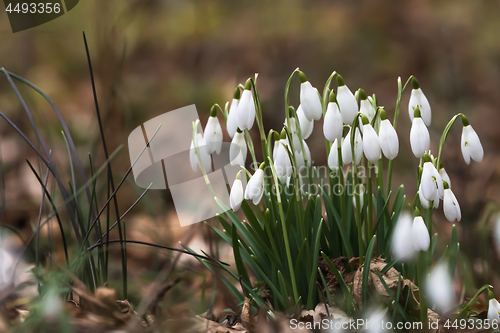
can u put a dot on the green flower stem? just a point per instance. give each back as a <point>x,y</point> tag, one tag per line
<point>395,124</point>
<point>285,233</point>
<point>250,146</point>
<point>342,185</point>
<point>258,117</point>
<point>369,220</point>
<point>469,305</point>
<point>444,136</point>
<point>355,124</point>
<point>421,274</point>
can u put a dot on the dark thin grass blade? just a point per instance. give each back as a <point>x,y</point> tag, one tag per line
<point>56,214</point>
<point>111,241</point>
<point>50,164</point>
<point>392,297</point>
<point>40,211</point>
<point>119,184</point>
<point>110,172</point>
<point>105,234</point>
<point>61,120</point>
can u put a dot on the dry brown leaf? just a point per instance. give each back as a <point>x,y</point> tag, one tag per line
<point>247,316</point>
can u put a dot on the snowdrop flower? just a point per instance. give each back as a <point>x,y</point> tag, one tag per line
<point>255,186</point>
<point>333,156</point>
<point>365,107</point>
<point>419,135</point>
<point>213,133</point>
<point>333,125</point>
<point>238,149</point>
<point>282,161</point>
<point>418,99</point>
<point>431,182</point>
<point>306,125</point>
<point>420,234</point>
<point>439,289</point>
<point>358,147</point>
<point>493,308</point>
<point>246,108</point>
<point>424,202</point>
<point>471,146</point>
<point>402,238</point>
<point>199,146</point>
<point>388,138</point>
<point>450,205</point>
<point>236,196</point>
<point>347,102</point>
<point>232,114</point>
<point>371,145</point>
<point>309,99</point>
<point>276,145</point>
<point>444,175</point>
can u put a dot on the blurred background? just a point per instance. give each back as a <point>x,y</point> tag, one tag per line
<point>152,56</point>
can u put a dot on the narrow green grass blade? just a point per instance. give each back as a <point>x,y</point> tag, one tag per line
<point>332,214</point>
<point>325,285</point>
<point>314,277</point>
<point>240,266</point>
<point>366,270</point>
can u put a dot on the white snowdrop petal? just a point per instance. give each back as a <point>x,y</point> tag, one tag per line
<point>232,115</point>
<point>347,103</point>
<point>417,97</point>
<point>333,124</point>
<point>421,238</point>
<point>310,101</point>
<point>306,125</point>
<point>419,138</point>
<point>236,195</point>
<point>371,146</point>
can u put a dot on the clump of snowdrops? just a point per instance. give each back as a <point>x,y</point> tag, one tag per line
<point>285,212</point>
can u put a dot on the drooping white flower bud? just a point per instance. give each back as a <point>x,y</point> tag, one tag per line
<point>471,145</point>
<point>306,125</point>
<point>213,133</point>
<point>358,147</point>
<point>200,146</point>
<point>333,156</point>
<point>417,98</point>
<point>236,195</point>
<point>431,182</point>
<point>255,186</point>
<point>309,99</point>
<point>444,175</point>
<point>246,108</point>
<point>282,163</point>
<point>440,289</point>
<point>365,107</point>
<point>347,102</point>
<point>424,202</point>
<point>419,135</point>
<point>388,137</point>
<point>451,207</point>
<point>493,308</point>
<point>238,149</point>
<point>371,145</point>
<point>333,125</point>
<point>402,238</point>
<point>232,114</point>
<point>420,234</point>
